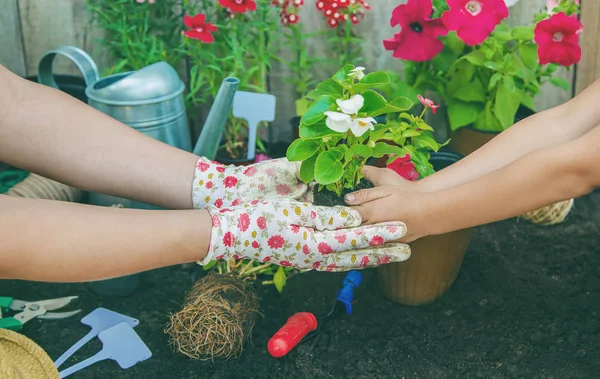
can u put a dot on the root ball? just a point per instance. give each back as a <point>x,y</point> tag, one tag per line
<point>216,320</point>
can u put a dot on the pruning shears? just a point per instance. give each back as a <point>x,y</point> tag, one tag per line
<point>302,324</point>
<point>28,310</point>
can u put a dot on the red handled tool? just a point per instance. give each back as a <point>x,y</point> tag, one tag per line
<point>303,323</point>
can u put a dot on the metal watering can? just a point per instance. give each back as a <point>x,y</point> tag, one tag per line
<point>150,100</point>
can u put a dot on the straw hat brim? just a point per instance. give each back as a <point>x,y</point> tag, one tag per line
<point>21,358</point>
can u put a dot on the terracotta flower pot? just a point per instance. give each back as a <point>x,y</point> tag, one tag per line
<point>466,140</point>
<point>434,263</point>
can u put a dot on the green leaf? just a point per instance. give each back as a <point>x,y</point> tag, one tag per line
<point>327,168</point>
<point>496,66</point>
<point>373,79</point>
<point>502,33</point>
<point>210,265</point>
<point>315,111</point>
<point>279,279</point>
<point>300,149</point>
<point>460,75</point>
<point>339,151</point>
<point>326,87</point>
<point>529,55</point>
<point>307,169</point>
<point>420,159</point>
<point>373,102</point>
<point>399,104</point>
<point>494,81</point>
<point>444,60</point>
<point>342,73</point>
<point>461,113</point>
<point>475,57</point>
<point>382,149</point>
<point>410,133</point>
<point>363,151</point>
<point>506,104</point>
<point>528,101</point>
<point>426,141</point>
<point>509,82</point>
<point>487,121</point>
<point>318,130</point>
<point>472,92</point>
<point>523,33</point>
<point>560,82</point>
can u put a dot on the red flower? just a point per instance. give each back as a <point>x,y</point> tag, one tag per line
<point>418,40</point>
<point>250,171</point>
<point>200,30</point>
<point>239,6</point>
<point>261,222</point>
<point>364,261</point>
<point>202,166</point>
<point>285,263</point>
<point>474,20</point>
<point>216,221</point>
<point>313,214</point>
<point>331,267</point>
<point>428,103</point>
<point>219,203</point>
<point>209,185</point>
<point>324,248</point>
<point>340,237</point>
<point>383,260</point>
<point>236,202</point>
<point>557,40</point>
<point>305,249</point>
<point>230,181</point>
<point>228,239</point>
<point>295,229</point>
<point>255,244</point>
<point>254,202</point>
<point>376,241</point>
<point>283,189</point>
<point>220,168</point>
<point>244,222</point>
<point>405,168</point>
<point>267,259</point>
<point>316,265</point>
<point>276,242</point>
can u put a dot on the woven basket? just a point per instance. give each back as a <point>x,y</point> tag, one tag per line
<point>21,358</point>
<point>551,214</point>
<point>37,187</point>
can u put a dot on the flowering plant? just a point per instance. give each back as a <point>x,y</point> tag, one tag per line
<point>339,133</point>
<point>341,15</point>
<point>484,70</point>
<point>230,38</point>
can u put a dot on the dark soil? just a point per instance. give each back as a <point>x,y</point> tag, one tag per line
<point>525,305</point>
<point>328,198</point>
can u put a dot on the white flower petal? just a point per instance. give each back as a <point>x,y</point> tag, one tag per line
<point>357,73</point>
<point>338,122</point>
<point>352,105</point>
<point>361,125</point>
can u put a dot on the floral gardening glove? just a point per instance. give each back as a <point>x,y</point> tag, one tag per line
<point>218,185</point>
<point>304,236</point>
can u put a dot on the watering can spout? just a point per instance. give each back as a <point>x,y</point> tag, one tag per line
<point>210,137</point>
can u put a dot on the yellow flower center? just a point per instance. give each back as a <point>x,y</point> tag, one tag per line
<point>473,7</point>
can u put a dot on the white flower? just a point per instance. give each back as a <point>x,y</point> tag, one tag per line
<point>357,73</point>
<point>352,105</point>
<point>341,123</point>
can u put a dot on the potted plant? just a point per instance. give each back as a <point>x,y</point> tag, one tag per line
<point>487,73</point>
<point>339,135</point>
<point>301,63</point>
<point>236,38</point>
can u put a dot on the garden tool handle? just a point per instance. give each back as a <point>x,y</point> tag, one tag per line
<point>346,294</point>
<point>290,334</point>
<point>11,323</point>
<point>82,60</point>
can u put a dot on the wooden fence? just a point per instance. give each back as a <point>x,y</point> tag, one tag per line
<point>29,28</point>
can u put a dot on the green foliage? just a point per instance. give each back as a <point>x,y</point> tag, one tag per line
<point>485,85</point>
<point>334,159</point>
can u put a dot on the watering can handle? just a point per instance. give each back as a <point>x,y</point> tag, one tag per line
<point>82,60</point>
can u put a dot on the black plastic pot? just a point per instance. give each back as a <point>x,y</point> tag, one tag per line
<point>121,286</point>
